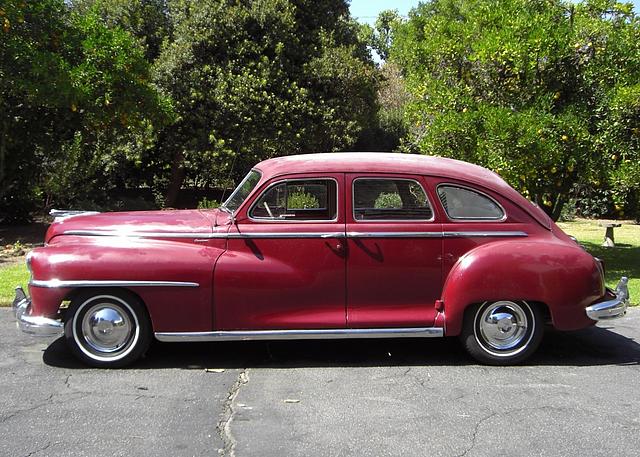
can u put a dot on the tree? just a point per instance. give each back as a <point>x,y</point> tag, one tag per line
<point>380,36</point>
<point>543,92</point>
<point>69,87</point>
<point>146,20</point>
<point>252,80</point>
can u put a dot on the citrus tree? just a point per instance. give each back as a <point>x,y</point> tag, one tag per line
<point>543,92</point>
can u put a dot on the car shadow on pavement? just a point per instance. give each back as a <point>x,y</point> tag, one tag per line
<point>593,346</point>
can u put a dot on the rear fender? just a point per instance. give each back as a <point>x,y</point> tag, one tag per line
<point>562,276</point>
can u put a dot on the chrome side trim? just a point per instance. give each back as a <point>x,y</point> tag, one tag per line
<point>256,235</point>
<point>286,235</point>
<point>145,234</point>
<point>61,214</point>
<point>394,234</point>
<point>484,234</point>
<point>56,283</point>
<point>312,334</point>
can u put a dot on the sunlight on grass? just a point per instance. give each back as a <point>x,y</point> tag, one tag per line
<point>10,277</point>
<point>621,260</point>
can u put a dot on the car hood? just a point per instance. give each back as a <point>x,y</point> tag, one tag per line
<point>134,222</point>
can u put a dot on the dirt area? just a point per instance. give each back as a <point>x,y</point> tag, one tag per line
<point>17,240</point>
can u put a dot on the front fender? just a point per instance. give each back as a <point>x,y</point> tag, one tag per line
<point>562,276</point>
<point>96,259</point>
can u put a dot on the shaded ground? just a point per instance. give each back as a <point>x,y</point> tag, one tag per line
<point>577,396</point>
<point>17,240</point>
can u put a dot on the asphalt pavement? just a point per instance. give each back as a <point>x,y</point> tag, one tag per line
<point>579,395</point>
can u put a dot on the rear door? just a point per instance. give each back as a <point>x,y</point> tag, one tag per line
<point>394,261</point>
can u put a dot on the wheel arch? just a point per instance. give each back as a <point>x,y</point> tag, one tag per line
<point>78,292</point>
<point>562,280</point>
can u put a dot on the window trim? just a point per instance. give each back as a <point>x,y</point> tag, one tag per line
<point>471,219</point>
<point>377,221</point>
<point>298,221</point>
<point>237,188</point>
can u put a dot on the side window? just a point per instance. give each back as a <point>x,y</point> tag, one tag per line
<point>301,200</point>
<point>389,199</point>
<point>462,203</point>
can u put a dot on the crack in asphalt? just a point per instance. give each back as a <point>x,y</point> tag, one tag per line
<point>47,446</point>
<point>475,434</point>
<point>59,398</point>
<point>504,413</point>
<point>228,414</point>
<point>415,377</point>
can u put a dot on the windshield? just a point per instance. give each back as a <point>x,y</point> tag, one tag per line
<point>242,191</point>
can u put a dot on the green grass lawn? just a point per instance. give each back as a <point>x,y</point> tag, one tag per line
<point>622,260</point>
<point>10,277</point>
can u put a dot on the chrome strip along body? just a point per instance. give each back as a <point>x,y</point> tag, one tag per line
<point>484,234</point>
<point>338,333</point>
<point>56,283</point>
<point>293,235</point>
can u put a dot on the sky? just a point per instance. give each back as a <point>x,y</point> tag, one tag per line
<point>367,10</point>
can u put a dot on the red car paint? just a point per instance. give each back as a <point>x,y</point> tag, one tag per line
<point>246,281</point>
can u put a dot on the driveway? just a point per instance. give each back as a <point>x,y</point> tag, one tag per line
<point>578,396</point>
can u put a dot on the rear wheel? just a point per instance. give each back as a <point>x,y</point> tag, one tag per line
<point>502,332</point>
<point>107,328</point>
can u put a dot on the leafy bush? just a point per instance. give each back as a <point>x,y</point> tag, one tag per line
<point>388,200</point>
<point>302,200</point>
<point>205,203</point>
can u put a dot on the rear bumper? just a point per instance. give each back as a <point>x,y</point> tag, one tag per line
<point>614,307</point>
<point>33,325</point>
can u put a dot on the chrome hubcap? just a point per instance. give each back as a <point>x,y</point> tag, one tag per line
<point>503,325</point>
<point>106,328</point>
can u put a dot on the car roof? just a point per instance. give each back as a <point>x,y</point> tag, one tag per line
<point>381,162</point>
<point>388,162</point>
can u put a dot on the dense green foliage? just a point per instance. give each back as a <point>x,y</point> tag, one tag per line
<point>101,96</point>
<point>544,92</point>
<point>71,90</point>
<point>122,103</point>
<point>253,80</point>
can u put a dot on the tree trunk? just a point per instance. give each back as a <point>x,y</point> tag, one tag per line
<point>177,178</point>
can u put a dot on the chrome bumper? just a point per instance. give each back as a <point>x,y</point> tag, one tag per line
<point>610,309</point>
<point>33,325</point>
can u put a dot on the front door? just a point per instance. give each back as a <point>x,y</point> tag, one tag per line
<point>394,256</point>
<point>284,267</point>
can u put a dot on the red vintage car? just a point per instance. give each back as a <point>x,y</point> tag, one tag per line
<point>340,245</point>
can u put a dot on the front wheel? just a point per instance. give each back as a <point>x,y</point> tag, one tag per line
<point>502,332</point>
<point>107,329</point>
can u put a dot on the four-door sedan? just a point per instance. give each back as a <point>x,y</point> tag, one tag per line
<point>340,245</point>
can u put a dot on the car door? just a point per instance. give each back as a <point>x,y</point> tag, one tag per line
<point>285,263</point>
<point>473,217</point>
<point>394,262</point>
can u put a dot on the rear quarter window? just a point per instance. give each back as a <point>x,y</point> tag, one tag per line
<point>462,203</point>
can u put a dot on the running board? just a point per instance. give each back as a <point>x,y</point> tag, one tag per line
<point>312,334</point>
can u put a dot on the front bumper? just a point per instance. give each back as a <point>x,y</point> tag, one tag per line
<point>614,307</point>
<point>33,325</point>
